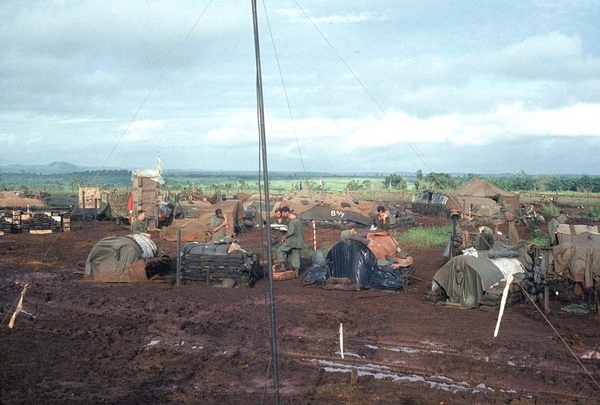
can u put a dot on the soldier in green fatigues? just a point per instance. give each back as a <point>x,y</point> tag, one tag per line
<point>346,234</point>
<point>561,218</point>
<point>277,236</point>
<point>485,241</point>
<point>531,216</point>
<point>292,244</point>
<point>219,225</point>
<point>553,225</point>
<point>139,224</point>
<point>520,215</point>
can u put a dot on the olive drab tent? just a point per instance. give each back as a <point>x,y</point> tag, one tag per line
<point>464,279</point>
<point>482,198</point>
<point>120,259</point>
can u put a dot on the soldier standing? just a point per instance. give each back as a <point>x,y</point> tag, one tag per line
<point>219,225</point>
<point>293,242</point>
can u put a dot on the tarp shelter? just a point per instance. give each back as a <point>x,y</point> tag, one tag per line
<point>191,209</point>
<point>375,266</point>
<point>482,198</point>
<point>577,255</point>
<point>116,204</point>
<point>192,230</point>
<point>197,228</point>
<point>465,278</point>
<point>119,259</point>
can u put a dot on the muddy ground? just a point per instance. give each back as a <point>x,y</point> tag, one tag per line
<point>81,342</point>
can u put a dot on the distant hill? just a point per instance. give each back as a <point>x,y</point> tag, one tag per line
<point>51,168</point>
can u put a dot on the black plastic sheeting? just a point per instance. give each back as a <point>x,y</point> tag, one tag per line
<point>386,278</point>
<point>316,275</point>
<point>351,259</point>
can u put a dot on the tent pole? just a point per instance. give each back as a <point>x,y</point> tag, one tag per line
<point>263,148</point>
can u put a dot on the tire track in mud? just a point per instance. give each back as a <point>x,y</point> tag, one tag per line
<point>432,365</point>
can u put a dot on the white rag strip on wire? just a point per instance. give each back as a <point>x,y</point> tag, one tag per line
<point>508,266</point>
<point>149,249</point>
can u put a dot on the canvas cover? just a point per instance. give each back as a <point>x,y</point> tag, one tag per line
<point>119,259</point>
<point>331,207</point>
<point>116,204</point>
<point>480,194</point>
<point>192,230</point>
<point>577,255</point>
<point>579,235</point>
<point>382,244</point>
<point>197,228</point>
<point>215,262</point>
<point>465,278</point>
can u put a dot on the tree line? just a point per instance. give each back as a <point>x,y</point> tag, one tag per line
<point>516,182</point>
<point>434,181</point>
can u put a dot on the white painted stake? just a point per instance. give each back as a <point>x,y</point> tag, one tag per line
<point>19,307</point>
<point>342,340</point>
<point>314,235</point>
<point>509,280</point>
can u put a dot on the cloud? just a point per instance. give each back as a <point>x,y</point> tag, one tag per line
<point>298,16</point>
<point>437,77</point>
<point>143,130</point>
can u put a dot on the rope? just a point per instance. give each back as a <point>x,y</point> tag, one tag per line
<point>164,71</point>
<point>559,336</point>
<point>287,100</point>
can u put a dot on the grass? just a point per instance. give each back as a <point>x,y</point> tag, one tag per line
<point>549,210</point>
<point>435,236</point>
<point>592,214</point>
<point>538,238</point>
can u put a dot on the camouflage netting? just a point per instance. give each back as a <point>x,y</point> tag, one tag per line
<point>117,204</point>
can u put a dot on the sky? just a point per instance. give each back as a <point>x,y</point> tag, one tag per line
<point>349,86</point>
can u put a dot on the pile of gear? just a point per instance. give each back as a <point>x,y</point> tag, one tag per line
<point>223,262</point>
<point>372,261</point>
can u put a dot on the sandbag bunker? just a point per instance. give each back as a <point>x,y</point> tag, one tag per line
<point>220,264</point>
<point>372,261</point>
